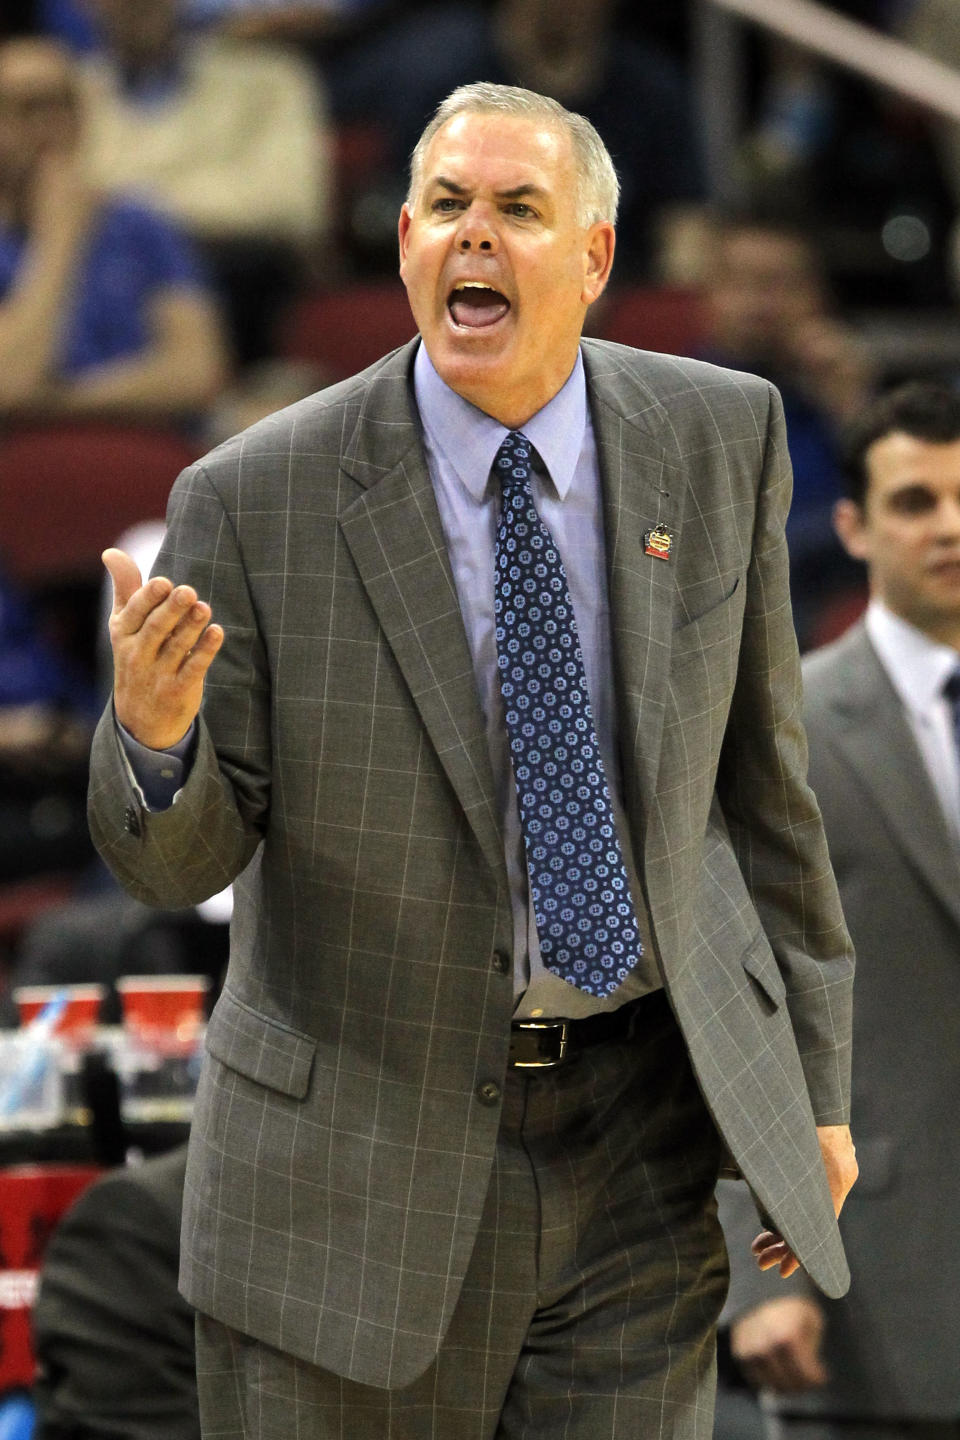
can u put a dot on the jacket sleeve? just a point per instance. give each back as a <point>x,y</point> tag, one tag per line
<point>771,812</point>
<point>195,848</point>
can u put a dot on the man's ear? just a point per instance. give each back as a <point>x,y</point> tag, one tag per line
<point>403,231</point>
<point>850,524</point>
<point>600,245</point>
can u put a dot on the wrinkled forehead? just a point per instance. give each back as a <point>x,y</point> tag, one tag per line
<point>482,147</point>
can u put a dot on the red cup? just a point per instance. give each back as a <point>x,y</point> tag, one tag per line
<point>163,1010</point>
<point>78,1017</point>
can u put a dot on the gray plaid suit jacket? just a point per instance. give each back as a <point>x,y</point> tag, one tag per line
<point>348,1111</point>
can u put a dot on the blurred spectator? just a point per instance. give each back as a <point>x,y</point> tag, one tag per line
<point>227,138</point>
<point>767,312</point>
<point>826,142</point>
<point>798,109</point>
<point>113,1337</point>
<point>46,718</point>
<point>102,312</point>
<point>634,93</point>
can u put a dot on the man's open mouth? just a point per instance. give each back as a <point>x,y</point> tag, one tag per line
<point>475,305</point>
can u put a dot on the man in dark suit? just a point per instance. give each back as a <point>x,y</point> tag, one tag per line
<point>457,1136</point>
<point>113,1338</point>
<point>882,719</point>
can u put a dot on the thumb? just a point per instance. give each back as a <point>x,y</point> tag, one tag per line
<point>125,574</point>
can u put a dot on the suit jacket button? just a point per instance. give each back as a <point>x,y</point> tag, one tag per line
<point>131,821</point>
<point>488,1093</point>
<point>501,962</point>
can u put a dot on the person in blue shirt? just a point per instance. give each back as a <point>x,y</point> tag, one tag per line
<point>103,309</point>
<point>47,707</point>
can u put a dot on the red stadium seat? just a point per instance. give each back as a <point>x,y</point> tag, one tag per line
<point>22,901</point>
<point>66,492</point>
<point>664,318</point>
<point>345,330</point>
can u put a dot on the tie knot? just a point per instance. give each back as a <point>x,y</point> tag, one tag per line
<point>513,462</point>
<point>951,686</point>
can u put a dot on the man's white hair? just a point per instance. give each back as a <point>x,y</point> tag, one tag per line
<point>598,189</point>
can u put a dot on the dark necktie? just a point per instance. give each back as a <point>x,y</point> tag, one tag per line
<point>578,882</point>
<point>951,689</point>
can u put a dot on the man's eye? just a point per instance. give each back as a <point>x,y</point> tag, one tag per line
<point>446,203</point>
<point>521,209</point>
<point>912,502</point>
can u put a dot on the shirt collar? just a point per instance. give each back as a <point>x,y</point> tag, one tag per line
<point>918,666</point>
<point>468,439</point>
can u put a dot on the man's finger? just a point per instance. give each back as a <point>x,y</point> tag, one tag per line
<point>200,658</point>
<point>770,1249</point>
<point>180,641</point>
<point>125,574</point>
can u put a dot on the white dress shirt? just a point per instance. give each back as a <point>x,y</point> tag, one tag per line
<point>918,667</point>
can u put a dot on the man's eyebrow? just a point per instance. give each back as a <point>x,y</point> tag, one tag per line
<point>450,185</point>
<point>910,487</point>
<point>517,193</point>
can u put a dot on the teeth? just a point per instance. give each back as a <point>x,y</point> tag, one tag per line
<point>472,285</point>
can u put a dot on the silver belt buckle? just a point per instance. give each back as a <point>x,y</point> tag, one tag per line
<point>545,1028</point>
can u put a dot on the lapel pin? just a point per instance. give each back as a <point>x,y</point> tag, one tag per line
<point>657,542</point>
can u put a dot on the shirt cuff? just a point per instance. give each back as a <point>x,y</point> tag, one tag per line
<point>158,775</point>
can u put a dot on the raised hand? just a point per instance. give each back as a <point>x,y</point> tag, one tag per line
<point>163,644</point>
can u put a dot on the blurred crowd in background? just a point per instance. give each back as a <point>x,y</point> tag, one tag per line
<point>198,204</point>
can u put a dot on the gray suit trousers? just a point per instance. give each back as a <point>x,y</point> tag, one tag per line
<point>590,1302</point>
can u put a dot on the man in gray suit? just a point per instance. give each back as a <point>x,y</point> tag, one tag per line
<point>481,1043</point>
<point>882,717</point>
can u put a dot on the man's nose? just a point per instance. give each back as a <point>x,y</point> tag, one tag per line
<point>948,519</point>
<point>477,232</point>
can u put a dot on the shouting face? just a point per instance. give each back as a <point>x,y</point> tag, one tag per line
<point>499,271</point>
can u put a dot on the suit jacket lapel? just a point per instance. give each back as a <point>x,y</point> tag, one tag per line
<point>396,540</point>
<point>875,737</point>
<point>639,492</point>
<point>394,535</point>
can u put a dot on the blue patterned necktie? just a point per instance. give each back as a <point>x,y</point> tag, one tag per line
<point>578,882</point>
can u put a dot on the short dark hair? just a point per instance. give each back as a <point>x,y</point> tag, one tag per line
<point>924,409</point>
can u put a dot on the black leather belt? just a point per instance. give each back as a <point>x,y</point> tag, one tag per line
<point>545,1044</point>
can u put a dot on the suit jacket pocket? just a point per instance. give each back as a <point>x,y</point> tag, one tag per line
<point>712,625</point>
<point>704,654</point>
<point>761,966</point>
<point>260,1047</point>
